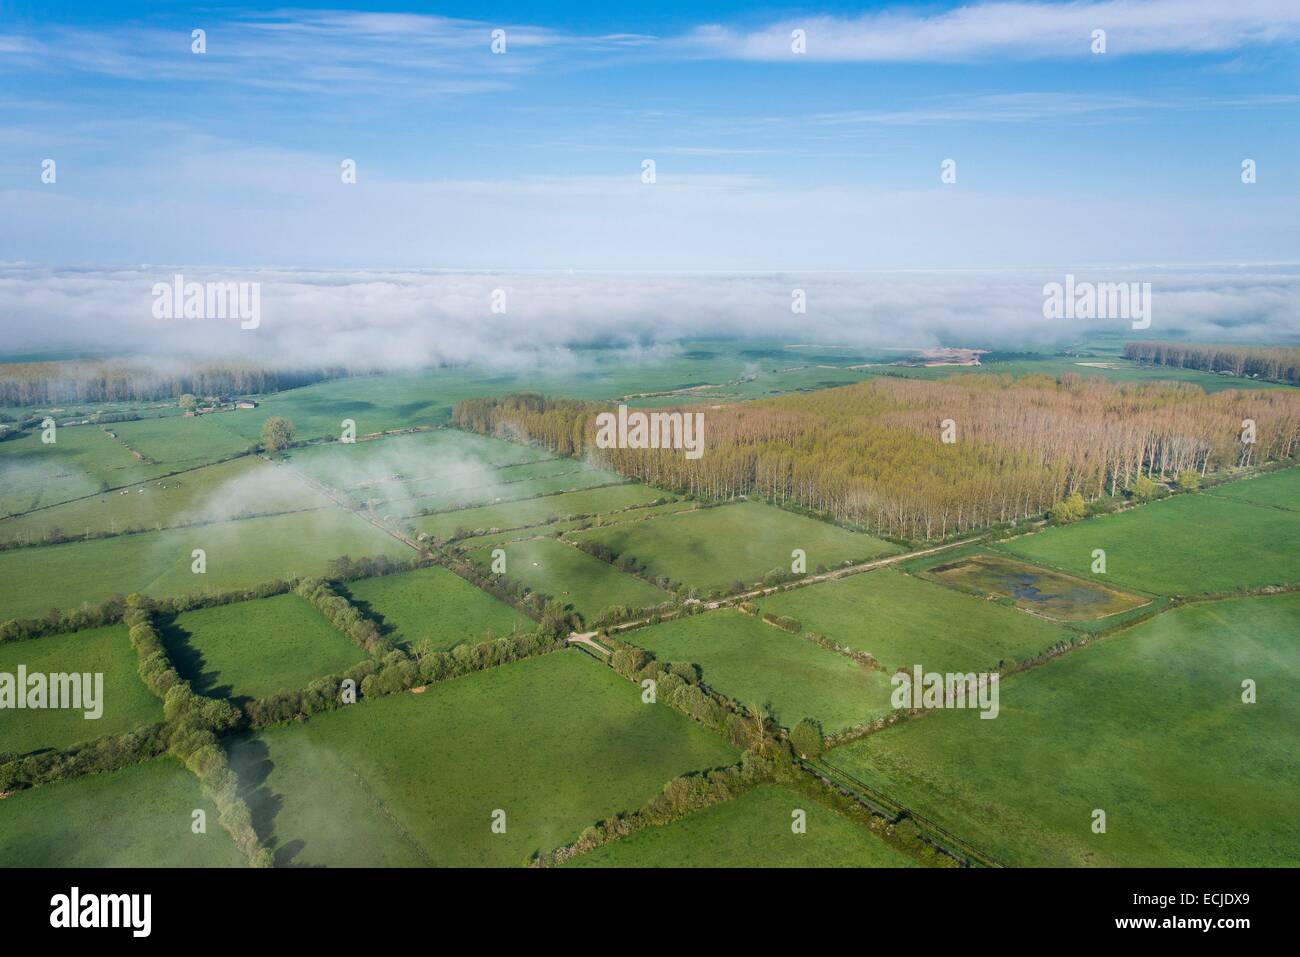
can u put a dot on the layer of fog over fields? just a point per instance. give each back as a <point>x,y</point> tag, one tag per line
<point>405,319</point>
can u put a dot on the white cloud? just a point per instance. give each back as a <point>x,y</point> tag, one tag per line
<point>404,319</point>
<point>1017,29</point>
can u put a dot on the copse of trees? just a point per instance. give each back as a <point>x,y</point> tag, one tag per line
<point>1266,362</point>
<point>874,454</point>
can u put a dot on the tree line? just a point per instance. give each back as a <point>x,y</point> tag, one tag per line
<point>1273,363</point>
<point>923,460</point>
<point>80,381</point>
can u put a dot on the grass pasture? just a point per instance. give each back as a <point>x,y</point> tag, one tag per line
<point>181,442</point>
<point>126,702</point>
<point>903,621</point>
<point>138,816</point>
<point>81,461</point>
<point>714,547</point>
<point>752,830</point>
<point>536,511</point>
<point>1041,590</point>
<point>239,554</point>
<point>1193,544</point>
<point>1274,490</point>
<point>1147,725</point>
<point>436,605</point>
<point>475,494</point>
<point>373,467</point>
<point>572,576</point>
<point>556,742</point>
<point>212,493</point>
<point>758,664</point>
<point>254,648</point>
<point>553,529</point>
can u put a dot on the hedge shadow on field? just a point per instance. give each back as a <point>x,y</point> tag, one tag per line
<point>250,759</point>
<point>191,664</point>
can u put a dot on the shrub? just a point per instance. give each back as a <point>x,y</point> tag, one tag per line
<point>807,738</point>
<point>1069,509</point>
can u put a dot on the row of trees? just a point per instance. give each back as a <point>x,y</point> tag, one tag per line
<point>192,725</point>
<point>103,754</point>
<point>80,382</point>
<point>1274,363</point>
<point>922,459</point>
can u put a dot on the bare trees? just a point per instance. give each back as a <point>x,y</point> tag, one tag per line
<point>1277,364</point>
<point>875,454</point>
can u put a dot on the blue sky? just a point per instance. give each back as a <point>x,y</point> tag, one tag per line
<point>766,160</point>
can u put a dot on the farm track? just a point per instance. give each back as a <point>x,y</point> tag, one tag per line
<point>806,582</point>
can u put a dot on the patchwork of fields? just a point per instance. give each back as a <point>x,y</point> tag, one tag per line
<point>434,605</point>
<point>760,665</point>
<point>557,743</point>
<point>1148,726</point>
<point>1140,713</point>
<point>572,576</point>
<point>213,493</point>
<point>716,547</point>
<point>238,555</point>
<point>902,621</point>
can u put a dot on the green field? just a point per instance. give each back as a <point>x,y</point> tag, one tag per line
<point>535,511</point>
<point>753,830</point>
<point>505,482</point>
<point>903,621</point>
<point>572,576</point>
<point>1186,545</point>
<point>444,456</point>
<point>1147,725</point>
<point>475,494</point>
<point>254,648</point>
<point>139,816</point>
<point>212,493</point>
<point>556,742</point>
<point>758,664</point>
<point>81,461</point>
<point>555,529</point>
<point>181,442</point>
<point>1276,490</point>
<point>126,702</point>
<point>436,605</point>
<point>239,554</point>
<point>712,548</point>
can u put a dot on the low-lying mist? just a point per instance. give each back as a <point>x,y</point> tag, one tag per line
<point>368,319</point>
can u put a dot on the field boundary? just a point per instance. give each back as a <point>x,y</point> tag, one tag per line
<point>875,801</point>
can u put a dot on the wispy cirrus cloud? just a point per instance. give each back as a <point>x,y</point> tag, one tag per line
<point>306,51</point>
<point>1017,29</point>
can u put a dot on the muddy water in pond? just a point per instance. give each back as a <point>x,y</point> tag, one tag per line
<point>1046,592</point>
